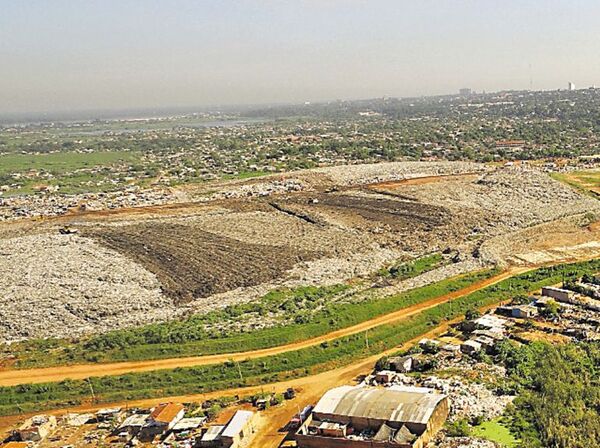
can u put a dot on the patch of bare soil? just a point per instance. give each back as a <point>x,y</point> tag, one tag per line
<point>374,210</point>
<point>193,263</point>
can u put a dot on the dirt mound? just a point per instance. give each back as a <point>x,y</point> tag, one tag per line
<point>192,263</point>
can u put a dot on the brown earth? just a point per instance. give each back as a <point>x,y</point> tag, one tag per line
<point>310,389</point>
<point>364,211</point>
<point>271,428</point>
<point>235,249</point>
<point>192,263</point>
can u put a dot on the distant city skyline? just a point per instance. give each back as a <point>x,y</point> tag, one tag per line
<point>132,54</point>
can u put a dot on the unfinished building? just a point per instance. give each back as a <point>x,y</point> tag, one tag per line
<point>360,417</point>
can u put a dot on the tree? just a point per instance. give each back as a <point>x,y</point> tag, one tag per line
<point>472,314</point>
<point>551,309</point>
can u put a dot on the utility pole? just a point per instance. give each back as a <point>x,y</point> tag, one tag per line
<point>92,390</point>
<point>367,338</point>
<point>240,371</point>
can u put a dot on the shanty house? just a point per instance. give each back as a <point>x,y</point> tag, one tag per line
<point>37,428</point>
<point>238,429</point>
<point>559,294</point>
<point>469,347</point>
<point>402,364</point>
<point>166,415</point>
<point>523,311</point>
<point>212,437</point>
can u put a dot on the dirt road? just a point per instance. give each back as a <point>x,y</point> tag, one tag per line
<point>309,390</point>
<point>81,371</point>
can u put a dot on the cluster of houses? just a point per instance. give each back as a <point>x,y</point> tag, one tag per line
<point>391,410</point>
<point>166,424</point>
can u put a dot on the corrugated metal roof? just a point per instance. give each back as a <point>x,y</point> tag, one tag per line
<point>237,423</point>
<point>189,423</point>
<point>212,433</point>
<point>135,420</point>
<point>380,404</point>
<point>166,412</point>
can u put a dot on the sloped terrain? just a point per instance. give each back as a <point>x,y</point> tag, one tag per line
<point>57,285</point>
<point>192,263</point>
<point>157,263</point>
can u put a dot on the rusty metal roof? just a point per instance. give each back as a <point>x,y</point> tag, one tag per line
<point>166,412</point>
<point>404,406</point>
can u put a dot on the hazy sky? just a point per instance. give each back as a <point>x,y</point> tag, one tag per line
<point>84,54</point>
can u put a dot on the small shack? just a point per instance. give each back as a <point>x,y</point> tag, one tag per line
<point>212,437</point>
<point>37,428</point>
<point>240,427</point>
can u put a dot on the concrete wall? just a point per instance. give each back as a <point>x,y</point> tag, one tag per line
<point>558,294</point>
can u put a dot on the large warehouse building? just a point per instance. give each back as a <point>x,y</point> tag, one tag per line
<point>361,417</point>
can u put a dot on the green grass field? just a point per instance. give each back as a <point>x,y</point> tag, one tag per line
<point>413,268</point>
<point>587,182</point>
<point>495,431</point>
<point>62,162</point>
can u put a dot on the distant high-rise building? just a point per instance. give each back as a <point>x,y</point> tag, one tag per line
<point>571,86</point>
<point>465,92</point>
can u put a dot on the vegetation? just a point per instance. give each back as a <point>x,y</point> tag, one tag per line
<point>559,399</point>
<point>495,431</point>
<point>413,268</point>
<point>458,428</point>
<point>190,149</point>
<point>315,359</point>
<point>587,182</point>
<point>73,172</point>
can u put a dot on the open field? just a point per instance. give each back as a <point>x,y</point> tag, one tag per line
<point>495,431</point>
<point>192,263</point>
<point>308,312</point>
<point>40,375</point>
<point>61,162</point>
<point>71,172</point>
<point>584,181</point>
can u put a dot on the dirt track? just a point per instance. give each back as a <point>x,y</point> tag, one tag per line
<point>310,389</point>
<point>52,374</point>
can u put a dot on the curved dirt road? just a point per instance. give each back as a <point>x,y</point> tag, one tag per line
<point>310,389</point>
<point>81,371</point>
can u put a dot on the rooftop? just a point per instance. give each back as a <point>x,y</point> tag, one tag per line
<point>189,423</point>
<point>166,412</point>
<point>212,433</point>
<point>237,422</point>
<point>396,405</point>
<point>134,420</point>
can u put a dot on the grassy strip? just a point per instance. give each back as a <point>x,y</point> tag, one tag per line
<point>62,162</point>
<point>580,181</point>
<point>187,338</point>
<point>413,268</point>
<point>270,369</point>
